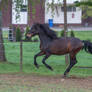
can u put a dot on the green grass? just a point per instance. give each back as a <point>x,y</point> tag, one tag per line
<point>30,69</point>
<point>83,35</point>
<point>12,50</point>
<point>45,88</point>
<point>30,49</point>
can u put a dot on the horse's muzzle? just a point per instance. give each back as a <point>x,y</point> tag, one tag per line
<point>29,35</point>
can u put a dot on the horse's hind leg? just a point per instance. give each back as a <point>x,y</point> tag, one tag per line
<point>73,61</point>
<point>43,61</point>
<point>38,54</point>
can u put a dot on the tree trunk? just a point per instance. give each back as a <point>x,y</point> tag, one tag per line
<point>2,50</point>
<point>65,28</point>
<point>65,18</point>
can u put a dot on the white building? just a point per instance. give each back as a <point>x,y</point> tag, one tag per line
<point>74,14</point>
<point>23,16</point>
<point>42,15</point>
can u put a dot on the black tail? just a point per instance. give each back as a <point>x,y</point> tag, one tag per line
<point>87,46</point>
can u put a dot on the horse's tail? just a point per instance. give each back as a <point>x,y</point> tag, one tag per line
<point>87,46</point>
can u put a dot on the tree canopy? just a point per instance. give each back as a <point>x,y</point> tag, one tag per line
<point>86,6</point>
<point>84,2</point>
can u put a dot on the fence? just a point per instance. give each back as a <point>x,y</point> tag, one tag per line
<point>23,53</point>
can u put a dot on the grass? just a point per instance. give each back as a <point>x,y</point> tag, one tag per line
<point>57,62</point>
<point>30,69</point>
<point>46,88</point>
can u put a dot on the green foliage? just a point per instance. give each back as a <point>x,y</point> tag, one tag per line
<point>18,34</point>
<point>84,2</point>
<point>4,4</point>
<point>72,33</point>
<point>33,4</point>
<point>62,33</point>
<point>27,30</point>
<point>35,39</point>
<point>86,6</point>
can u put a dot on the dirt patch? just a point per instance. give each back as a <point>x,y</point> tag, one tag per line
<point>11,80</point>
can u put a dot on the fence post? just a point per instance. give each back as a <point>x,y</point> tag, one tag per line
<point>21,56</point>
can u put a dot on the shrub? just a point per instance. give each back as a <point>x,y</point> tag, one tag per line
<point>35,40</point>
<point>18,34</point>
<point>62,33</point>
<point>27,30</point>
<point>72,33</point>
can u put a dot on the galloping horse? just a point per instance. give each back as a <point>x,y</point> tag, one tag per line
<point>51,44</point>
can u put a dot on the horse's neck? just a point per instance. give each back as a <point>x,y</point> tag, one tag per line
<point>44,41</point>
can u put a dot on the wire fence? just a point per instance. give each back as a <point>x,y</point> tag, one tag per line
<point>23,53</point>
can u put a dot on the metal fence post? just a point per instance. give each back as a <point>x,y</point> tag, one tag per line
<point>21,56</point>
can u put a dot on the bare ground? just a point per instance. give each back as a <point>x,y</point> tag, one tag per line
<point>29,83</point>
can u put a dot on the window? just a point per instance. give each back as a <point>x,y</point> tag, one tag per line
<point>74,9</point>
<point>24,8</point>
<point>69,9</point>
<point>23,19</point>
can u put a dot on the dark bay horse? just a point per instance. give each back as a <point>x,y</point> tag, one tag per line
<point>51,44</point>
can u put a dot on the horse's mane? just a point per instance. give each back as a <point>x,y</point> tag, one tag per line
<point>49,32</point>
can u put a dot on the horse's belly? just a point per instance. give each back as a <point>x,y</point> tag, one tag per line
<point>59,53</point>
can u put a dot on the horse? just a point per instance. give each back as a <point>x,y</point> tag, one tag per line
<point>50,44</point>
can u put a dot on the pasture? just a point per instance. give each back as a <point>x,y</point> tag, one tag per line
<point>42,79</point>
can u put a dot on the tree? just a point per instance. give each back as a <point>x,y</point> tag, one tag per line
<point>65,18</point>
<point>84,3</point>
<point>86,6</point>
<point>2,50</point>
<point>65,27</point>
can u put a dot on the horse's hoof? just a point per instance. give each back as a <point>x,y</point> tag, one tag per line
<point>64,76</point>
<point>37,66</point>
<point>51,68</point>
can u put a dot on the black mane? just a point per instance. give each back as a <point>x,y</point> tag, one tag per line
<point>49,32</point>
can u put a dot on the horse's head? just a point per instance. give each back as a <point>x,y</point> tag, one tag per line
<point>34,30</point>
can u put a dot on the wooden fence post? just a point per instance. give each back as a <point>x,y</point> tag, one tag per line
<point>21,56</point>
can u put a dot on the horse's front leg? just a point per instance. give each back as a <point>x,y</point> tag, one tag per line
<point>43,61</point>
<point>38,54</point>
